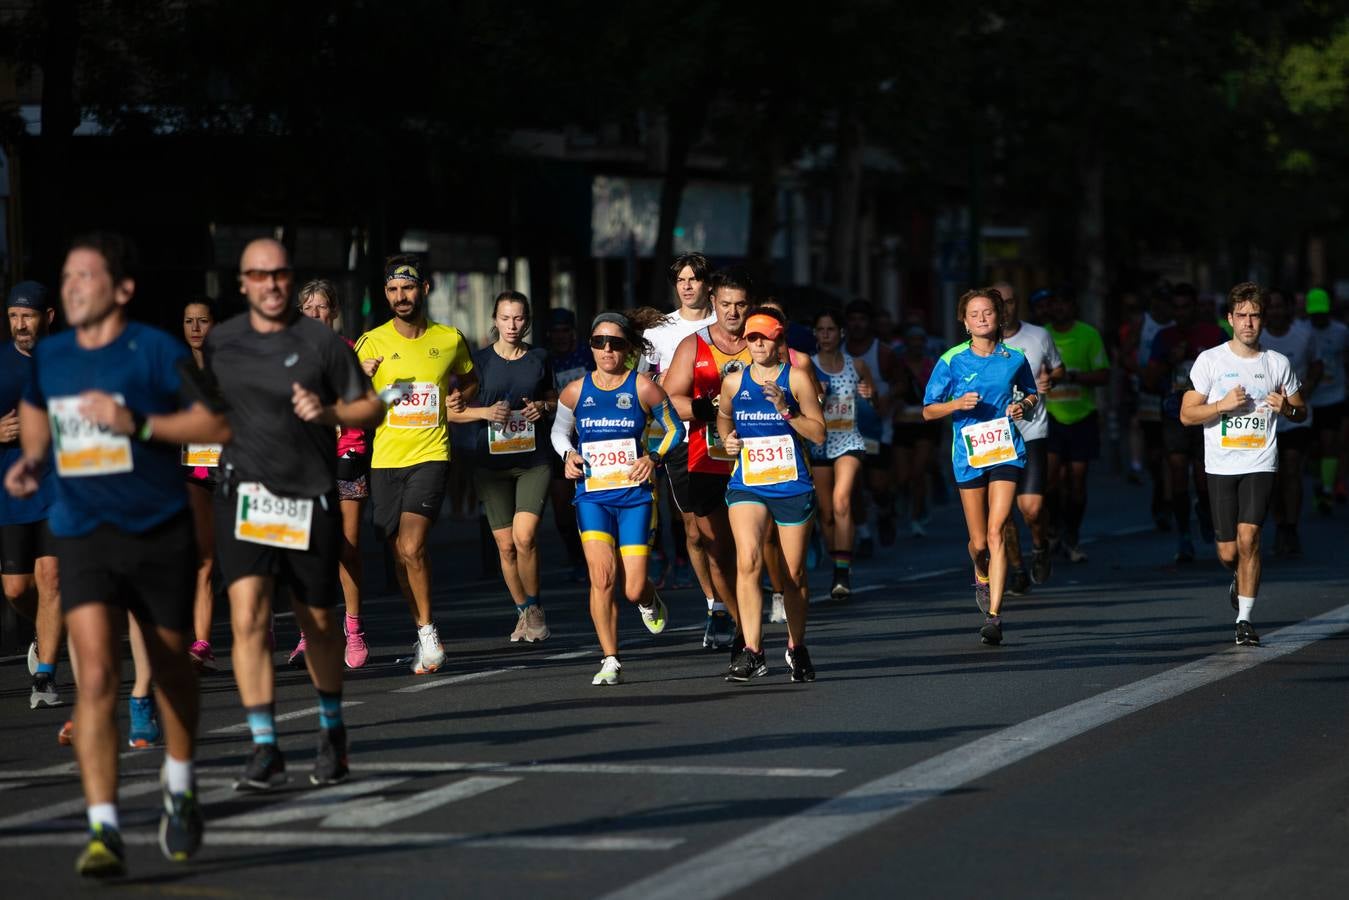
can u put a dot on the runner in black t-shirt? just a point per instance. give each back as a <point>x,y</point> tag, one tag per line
<point>288,381</point>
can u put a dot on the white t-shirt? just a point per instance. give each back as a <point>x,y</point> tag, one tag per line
<point>665,339</point>
<point>1330,343</point>
<point>1040,351</point>
<point>1299,345</point>
<point>1244,440</point>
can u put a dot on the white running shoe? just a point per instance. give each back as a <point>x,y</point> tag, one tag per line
<point>779,613</point>
<point>32,658</point>
<point>611,671</point>
<point>428,655</point>
<point>654,616</point>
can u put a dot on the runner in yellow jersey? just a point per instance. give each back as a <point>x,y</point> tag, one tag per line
<point>427,365</point>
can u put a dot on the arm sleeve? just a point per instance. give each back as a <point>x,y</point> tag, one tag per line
<point>674,429</point>
<point>563,425</point>
<point>939,385</point>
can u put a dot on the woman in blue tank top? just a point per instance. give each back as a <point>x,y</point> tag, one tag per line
<point>768,415</point>
<point>609,410</point>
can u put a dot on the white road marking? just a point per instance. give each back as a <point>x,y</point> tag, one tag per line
<point>386,812</point>
<point>741,862</point>
<point>216,837</point>
<point>594,769</point>
<point>434,681</point>
<point>73,807</point>
<point>238,727</point>
<point>308,805</point>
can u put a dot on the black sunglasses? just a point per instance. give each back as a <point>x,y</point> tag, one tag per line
<point>608,342</point>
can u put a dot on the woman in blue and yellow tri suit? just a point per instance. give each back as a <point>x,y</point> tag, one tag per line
<point>984,385</point>
<point>609,410</point>
<point>768,415</point>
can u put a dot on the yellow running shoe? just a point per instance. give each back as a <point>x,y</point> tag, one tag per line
<point>104,855</point>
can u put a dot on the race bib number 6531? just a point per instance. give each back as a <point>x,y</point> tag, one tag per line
<point>988,443</point>
<point>82,448</point>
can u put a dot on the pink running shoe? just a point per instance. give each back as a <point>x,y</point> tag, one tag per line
<point>202,656</point>
<point>357,651</point>
<point>297,655</point>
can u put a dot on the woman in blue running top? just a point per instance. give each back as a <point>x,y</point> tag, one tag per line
<point>984,385</point>
<point>767,415</point>
<point>609,410</point>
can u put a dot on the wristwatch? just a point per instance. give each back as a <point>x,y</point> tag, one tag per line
<point>656,458</point>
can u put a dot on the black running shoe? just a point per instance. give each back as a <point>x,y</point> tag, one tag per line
<point>1018,582</point>
<point>737,647</point>
<point>1232,592</point>
<point>104,856</point>
<point>798,658</point>
<point>1246,635</point>
<point>266,770</point>
<point>1041,565</point>
<point>180,826</point>
<point>330,763</point>
<point>991,633</point>
<point>842,588</point>
<point>747,665</point>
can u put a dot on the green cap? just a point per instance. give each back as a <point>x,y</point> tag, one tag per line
<point>1318,301</point>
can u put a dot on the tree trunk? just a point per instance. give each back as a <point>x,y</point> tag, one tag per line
<point>847,199</point>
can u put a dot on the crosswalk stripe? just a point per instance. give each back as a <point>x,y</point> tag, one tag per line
<point>386,812</point>
<point>309,805</point>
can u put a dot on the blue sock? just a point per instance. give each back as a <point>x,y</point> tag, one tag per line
<point>330,710</point>
<point>46,668</point>
<point>529,601</point>
<point>262,722</point>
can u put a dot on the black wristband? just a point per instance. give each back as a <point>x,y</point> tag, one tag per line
<point>703,410</point>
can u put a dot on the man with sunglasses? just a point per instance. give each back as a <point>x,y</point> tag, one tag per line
<point>429,367</point>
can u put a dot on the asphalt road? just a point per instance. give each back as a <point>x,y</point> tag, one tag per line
<point>1117,744</point>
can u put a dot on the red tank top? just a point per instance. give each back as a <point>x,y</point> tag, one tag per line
<point>710,365</point>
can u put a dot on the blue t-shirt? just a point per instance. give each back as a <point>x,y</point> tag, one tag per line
<point>141,366</point>
<point>16,370</point>
<point>960,371</point>
<point>755,417</point>
<point>567,367</point>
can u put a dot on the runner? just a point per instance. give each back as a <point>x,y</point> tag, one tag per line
<point>511,473</point>
<point>693,312</point>
<point>765,414</point>
<point>569,360</point>
<point>1147,421</point>
<point>431,365</point>
<point>914,437</point>
<point>288,382</point>
<point>1238,390</point>
<point>1042,355</point>
<point>101,391</point>
<point>319,300</point>
<point>27,549</point>
<point>877,430</point>
<point>1074,427</point>
<point>201,464</point>
<point>837,459</point>
<point>1328,399</point>
<point>608,411</point>
<point>975,383</point>
<point>1296,342</point>
<point>1173,353</point>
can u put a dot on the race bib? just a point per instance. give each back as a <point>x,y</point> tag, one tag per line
<point>567,376</point>
<point>416,406</point>
<point>206,456</point>
<point>83,448</point>
<point>768,460</point>
<point>715,450</point>
<point>988,443</point>
<point>840,412</point>
<point>1249,431</point>
<point>516,436</point>
<point>607,464</point>
<point>261,517</point>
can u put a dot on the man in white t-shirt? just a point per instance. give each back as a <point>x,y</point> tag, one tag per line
<point>1043,357</point>
<point>1237,392</point>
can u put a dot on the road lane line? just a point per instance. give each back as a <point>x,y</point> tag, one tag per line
<point>54,811</point>
<point>309,805</point>
<point>594,769</point>
<point>434,681</point>
<point>285,717</point>
<point>216,837</point>
<point>386,812</point>
<point>745,860</point>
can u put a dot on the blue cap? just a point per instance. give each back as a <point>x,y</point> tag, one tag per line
<point>29,295</point>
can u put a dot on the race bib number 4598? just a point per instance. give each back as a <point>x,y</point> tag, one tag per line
<point>82,448</point>
<point>988,443</point>
<point>261,517</point>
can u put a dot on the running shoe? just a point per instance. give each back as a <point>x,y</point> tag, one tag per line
<point>202,656</point>
<point>798,658</point>
<point>1232,592</point>
<point>611,671</point>
<point>991,633</point>
<point>296,658</point>
<point>656,567</point>
<point>428,654</point>
<point>144,724</point>
<point>1246,635</point>
<point>1041,565</point>
<point>32,658</point>
<point>518,634</point>
<point>737,647</point>
<point>778,613</point>
<point>1074,552</point>
<point>357,652</point>
<point>1018,582</point>
<point>266,770</point>
<point>536,626</point>
<point>104,856</point>
<point>1185,550</point>
<point>683,574</point>
<point>747,665</point>
<point>842,588</point>
<point>718,632</point>
<point>66,736</point>
<point>981,593</point>
<point>653,616</point>
<point>180,826</point>
<point>330,762</point>
<point>44,692</point>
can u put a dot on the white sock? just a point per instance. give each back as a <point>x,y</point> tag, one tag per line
<point>711,604</point>
<point>427,629</point>
<point>103,814</point>
<point>718,607</point>
<point>1244,607</point>
<point>178,774</point>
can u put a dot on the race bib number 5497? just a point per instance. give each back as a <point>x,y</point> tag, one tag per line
<point>988,443</point>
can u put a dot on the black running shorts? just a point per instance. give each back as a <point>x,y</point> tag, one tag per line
<point>310,574</point>
<point>1079,442</point>
<point>1033,476</point>
<point>418,489</point>
<point>1237,499</point>
<point>676,464</point>
<point>22,545</point>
